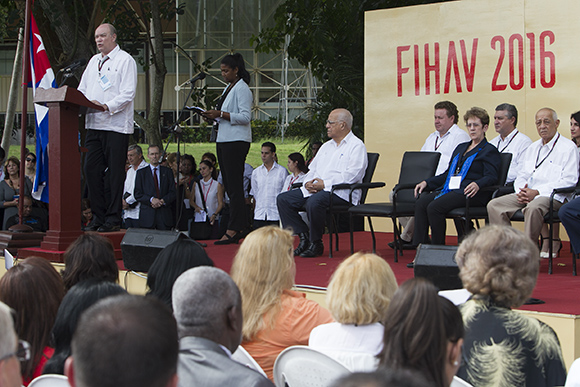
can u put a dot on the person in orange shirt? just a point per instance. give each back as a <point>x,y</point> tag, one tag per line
<point>275,317</point>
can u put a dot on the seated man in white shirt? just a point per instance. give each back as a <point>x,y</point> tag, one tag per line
<point>267,181</point>
<point>550,162</point>
<point>343,159</point>
<point>444,139</point>
<point>510,139</point>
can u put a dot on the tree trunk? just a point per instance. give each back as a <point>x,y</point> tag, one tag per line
<point>13,96</point>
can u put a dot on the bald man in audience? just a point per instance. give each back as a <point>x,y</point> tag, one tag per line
<point>550,162</point>
<point>128,341</point>
<point>11,350</point>
<point>208,309</point>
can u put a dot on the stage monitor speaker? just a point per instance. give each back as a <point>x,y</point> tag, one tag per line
<point>437,264</point>
<point>140,246</point>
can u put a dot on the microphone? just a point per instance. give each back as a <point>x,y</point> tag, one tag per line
<point>198,77</point>
<point>73,66</point>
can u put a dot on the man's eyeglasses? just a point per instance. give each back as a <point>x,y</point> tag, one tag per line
<point>332,122</point>
<point>27,159</point>
<point>22,353</point>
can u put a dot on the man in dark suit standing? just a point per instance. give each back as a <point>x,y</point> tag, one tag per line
<point>155,190</point>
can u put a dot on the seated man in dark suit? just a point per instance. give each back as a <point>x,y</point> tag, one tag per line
<point>155,190</point>
<point>36,222</point>
<point>208,308</point>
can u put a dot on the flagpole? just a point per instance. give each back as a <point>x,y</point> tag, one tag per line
<point>24,123</point>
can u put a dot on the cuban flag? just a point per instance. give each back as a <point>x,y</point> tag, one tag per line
<point>41,75</point>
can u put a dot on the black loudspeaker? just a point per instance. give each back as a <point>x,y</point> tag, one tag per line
<point>140,246</point>
<point>437,264</point>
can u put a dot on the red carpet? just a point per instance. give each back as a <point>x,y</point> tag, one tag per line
<point>559,290</point>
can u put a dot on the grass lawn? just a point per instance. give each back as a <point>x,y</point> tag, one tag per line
<point>198,149</point>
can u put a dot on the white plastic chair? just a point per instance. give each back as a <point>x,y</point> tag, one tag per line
<point>242,356</point>
<point>458,382</point>
<point>302,366</point>
<point>50,380</point>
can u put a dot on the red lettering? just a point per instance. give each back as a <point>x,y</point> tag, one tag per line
<point>400,69</point>
<point>417,80</point>
<point>469,71</point>
<point>452,63</point>
<point>550,57</point>
<point>432,68</point>
<point>516,85</point>
<point>532,45</point>
<point>494,85</point>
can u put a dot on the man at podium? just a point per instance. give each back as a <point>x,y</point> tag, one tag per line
<point>110,81</point>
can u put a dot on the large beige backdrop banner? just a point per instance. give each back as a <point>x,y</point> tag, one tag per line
<point>473,53</point>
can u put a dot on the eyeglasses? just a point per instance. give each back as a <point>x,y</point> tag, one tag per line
<point>332,122</point>
<point>22,353</point>
<point>30,159</point>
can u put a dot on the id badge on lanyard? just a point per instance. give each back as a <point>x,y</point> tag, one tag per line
<point>455,182</point>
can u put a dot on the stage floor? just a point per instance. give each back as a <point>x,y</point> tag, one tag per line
<point>559,290</point>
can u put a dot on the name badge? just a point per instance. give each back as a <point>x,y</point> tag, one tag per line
<point>104,82</point>
<point>455,182</point>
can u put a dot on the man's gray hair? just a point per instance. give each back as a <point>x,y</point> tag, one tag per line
<point>201,297</point>
<point>136,148</point>
<point>345,116</point>
<point>7,332</point>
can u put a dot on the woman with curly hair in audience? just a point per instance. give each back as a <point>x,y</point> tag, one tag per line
<point>358,296</point>
<point>78,299</point>
<point>275,317</point>
<point>499,266</point>
<point>415,334</point>
<point>91,256</point>
<point>34,290</point>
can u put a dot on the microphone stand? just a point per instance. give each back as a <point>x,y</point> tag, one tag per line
<point>65,76</point>
<point>175,129</point>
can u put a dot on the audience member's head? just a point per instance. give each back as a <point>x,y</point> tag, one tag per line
<point>9,363</point>
<point>297,161</point>
<point>124,340</point>
<point>91,256</point>
<point>12,167</point>
<point>499,262</point>
<point>211,157</point>
<point>78,299</point>
<point>207,169</point>
<point>262,269</point>
<point>187,165</point>
<point>383,378</point>
<point>171,262</point>
<point>454,333</point>
<point>34,290</point>
<point>361,289</point>
<point>414,335</point>
<point>207,303</point>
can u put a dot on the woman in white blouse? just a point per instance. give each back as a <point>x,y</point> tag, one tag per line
<point>213,194</point>
<point>358,296</point>
<point>298,169</point>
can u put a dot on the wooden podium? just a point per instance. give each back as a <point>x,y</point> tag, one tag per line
<point>64,165</point>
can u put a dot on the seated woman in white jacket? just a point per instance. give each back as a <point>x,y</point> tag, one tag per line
<point>358,295</point>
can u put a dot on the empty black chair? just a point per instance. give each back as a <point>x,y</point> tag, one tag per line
<point>415,167</point>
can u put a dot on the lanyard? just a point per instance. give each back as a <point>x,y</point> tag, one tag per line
<point>292,182</point>
<point>437,139</point>
<point>509,142</point>
<point>206,193</point>
<point>101,63</point>
<point>548,155</point>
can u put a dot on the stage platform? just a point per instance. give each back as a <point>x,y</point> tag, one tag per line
<point>559,290</point>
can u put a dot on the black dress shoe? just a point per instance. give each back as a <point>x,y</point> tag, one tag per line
<point>303,245</point>
<point>108,227</point>
<point>411,265</point>
<point>315,249</point>
<point>403,245</point>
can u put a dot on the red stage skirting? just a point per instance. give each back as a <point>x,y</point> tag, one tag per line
<point>559,290</point>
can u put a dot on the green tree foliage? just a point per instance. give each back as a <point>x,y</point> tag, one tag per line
<point>328,35</point>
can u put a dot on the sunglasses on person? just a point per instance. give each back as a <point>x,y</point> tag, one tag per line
<point>29,159</point>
